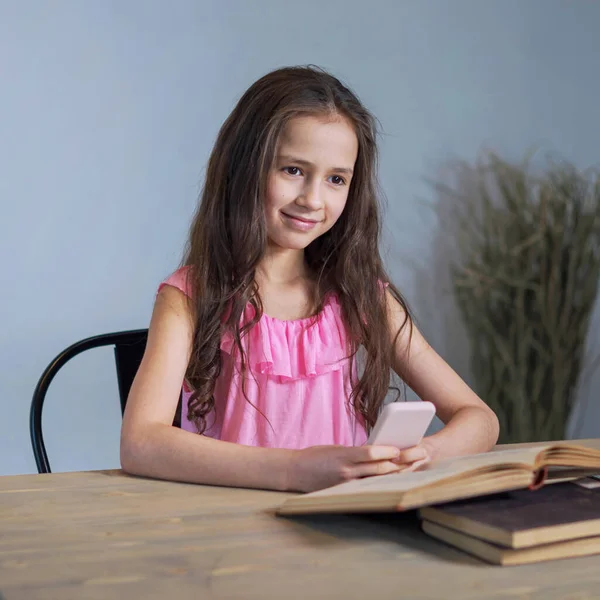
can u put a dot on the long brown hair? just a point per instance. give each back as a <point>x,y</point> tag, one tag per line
<point>228,236</point>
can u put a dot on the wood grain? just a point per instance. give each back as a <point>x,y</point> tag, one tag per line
<point>103,535</point>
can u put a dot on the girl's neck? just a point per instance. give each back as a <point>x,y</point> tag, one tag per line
<point>282,266</point>
<point>285,285</point>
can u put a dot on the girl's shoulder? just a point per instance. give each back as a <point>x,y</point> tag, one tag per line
<point>180,279</point>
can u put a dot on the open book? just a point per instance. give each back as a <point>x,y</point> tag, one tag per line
<point>525,466</point>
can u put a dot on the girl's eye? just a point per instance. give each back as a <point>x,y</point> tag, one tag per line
<point>337,180</point>
<point>292,170</point>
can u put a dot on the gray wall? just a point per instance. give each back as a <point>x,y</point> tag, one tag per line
<point>109,110</point>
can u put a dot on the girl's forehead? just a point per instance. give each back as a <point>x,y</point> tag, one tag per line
<point>319,138</point>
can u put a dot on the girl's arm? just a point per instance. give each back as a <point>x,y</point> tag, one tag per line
<point>470,425</point>
<point>152,447</point>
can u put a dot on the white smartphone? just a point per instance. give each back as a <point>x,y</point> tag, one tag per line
<point>402,424</point>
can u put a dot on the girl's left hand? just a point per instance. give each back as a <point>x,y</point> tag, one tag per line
<point>413,459</point>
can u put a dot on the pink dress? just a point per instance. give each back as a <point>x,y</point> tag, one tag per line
<point>300,381</point>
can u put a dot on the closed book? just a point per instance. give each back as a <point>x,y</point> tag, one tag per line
<point>499,555</point>
<point>525,518</point>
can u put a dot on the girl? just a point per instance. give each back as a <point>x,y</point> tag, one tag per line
<point>282,285</point>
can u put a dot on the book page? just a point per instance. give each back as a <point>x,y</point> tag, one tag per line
<point>589,443</point>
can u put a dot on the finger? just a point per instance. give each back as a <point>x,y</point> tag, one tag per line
<point>418,465</point>
<point>411,455</point>
<point>375,453</point>
<point>368,469</point>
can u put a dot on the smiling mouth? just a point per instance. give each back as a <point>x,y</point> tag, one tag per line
<point>301,219</point>
<point>299,223</point>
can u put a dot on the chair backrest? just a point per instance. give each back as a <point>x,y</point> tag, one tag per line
<point>129,349</point>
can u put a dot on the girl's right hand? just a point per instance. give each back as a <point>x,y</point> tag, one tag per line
<point>319,467</point>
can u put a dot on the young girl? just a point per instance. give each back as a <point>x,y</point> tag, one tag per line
<point>282,285</point>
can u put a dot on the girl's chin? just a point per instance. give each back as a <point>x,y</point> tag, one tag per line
<point>289,242</point>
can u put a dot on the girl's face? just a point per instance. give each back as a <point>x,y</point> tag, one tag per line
<point>308,185</point>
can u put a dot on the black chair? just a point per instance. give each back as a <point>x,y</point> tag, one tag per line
<point>129,349</point>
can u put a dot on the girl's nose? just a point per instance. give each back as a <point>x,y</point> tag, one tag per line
<point>311,198</point>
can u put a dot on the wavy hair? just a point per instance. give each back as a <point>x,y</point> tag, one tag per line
<point>228,237</point>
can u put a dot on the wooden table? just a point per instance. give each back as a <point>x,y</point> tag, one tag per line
<point>105,535</point>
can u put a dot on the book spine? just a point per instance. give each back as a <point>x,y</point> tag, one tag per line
<point>539,478</point>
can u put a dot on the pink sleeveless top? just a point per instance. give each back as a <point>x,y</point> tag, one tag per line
<point>300,381</point>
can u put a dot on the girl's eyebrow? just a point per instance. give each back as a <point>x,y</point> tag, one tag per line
<point>306,163</point>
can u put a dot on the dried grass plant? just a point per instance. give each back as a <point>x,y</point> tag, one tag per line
<point>525,278</point>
